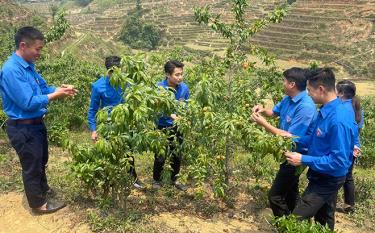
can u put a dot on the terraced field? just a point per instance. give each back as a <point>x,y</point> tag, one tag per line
<point>333,32</point>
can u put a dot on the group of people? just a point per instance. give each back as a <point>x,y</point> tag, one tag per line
<point>25,96</point>
<point>105,95</point>
<point>326,140</point>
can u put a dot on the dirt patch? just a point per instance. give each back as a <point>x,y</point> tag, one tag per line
<point>344,225</point>
<point>367,10</point>
<point>365,88</point>
<point>184,223</point>
<point>15,216</point>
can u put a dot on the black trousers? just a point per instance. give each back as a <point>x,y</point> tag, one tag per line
<point>319,198</point>
<point>132,171</point>
<point>284,193</point>
<point>31,145</point>
<point>171,150</point>
<point>349,187</point>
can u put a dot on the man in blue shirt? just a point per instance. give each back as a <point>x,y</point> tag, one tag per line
<point>105,95</point>
<point>330,150</point>
<point>25,97</point>
<point>173,82</point>
<point>296,111</point>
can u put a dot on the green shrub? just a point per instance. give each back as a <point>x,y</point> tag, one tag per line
<point>71,112</point>
<point>290,224</point>
<point>140,35</point>
<point>367,159</point>
<point>364,189</point>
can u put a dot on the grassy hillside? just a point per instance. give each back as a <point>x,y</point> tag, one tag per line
<point>333,32</point>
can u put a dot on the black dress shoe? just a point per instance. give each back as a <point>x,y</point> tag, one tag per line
<point>346,210</point>
<point>180,186</point>
<point>50,193</point>
<point>50,208</point>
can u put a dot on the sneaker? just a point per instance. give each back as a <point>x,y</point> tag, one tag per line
<point>156,185</point>
<point>180,186</point>
<point>138,184</point>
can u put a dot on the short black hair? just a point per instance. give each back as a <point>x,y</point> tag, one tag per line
<point>346,88</point>
<point>171,65</point>
<point>297,75</point>
<point>112,61</point>
<point>27,34</point>
<point>322,76</point>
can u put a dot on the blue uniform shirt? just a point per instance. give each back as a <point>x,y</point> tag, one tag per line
<point>349,106</point>
<point>181,93</point>
<point>332,142</point>
<point>103,95</point>
<point>23,90</point>
<point>296,115</point>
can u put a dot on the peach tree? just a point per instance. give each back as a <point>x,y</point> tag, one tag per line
<point>216,123</point>
<point>127,130</point>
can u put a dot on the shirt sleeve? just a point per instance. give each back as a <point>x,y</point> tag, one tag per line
<point>340,148</point>
<point>301,121</point>
<point>277,108</point>
<point>357,141</point>
<point>362,123</point>
<point>19,90</point>
<point>187,95</point>
<point>93,108</point>
<point>303,141</point>
<point>44,87</point>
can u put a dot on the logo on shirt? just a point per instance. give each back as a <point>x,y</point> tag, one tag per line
<point>288,119</point>
<point>318,132</point>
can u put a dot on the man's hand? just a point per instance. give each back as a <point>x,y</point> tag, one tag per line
<point>293,158</point>
<point>71,88</point>
<point>174,116</point>
<point>286,134</point>
<point>67,86</point>
<point>61,92</point>
<point>64,91</point>
<point>258,109</point>
<point>259,119</point>
<point>356,152</point>
<point>94,136</point>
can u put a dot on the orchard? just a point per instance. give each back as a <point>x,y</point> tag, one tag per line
<point>223,149</point>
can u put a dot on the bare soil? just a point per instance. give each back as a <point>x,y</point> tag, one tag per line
<point>15,216</point>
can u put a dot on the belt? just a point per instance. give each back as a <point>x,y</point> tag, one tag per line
<point>34,121</point>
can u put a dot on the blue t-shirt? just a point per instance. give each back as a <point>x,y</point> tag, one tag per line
<point>23,90</point>
<point>296,115</point>
<point>103,95</point>
<point>181,93</point>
